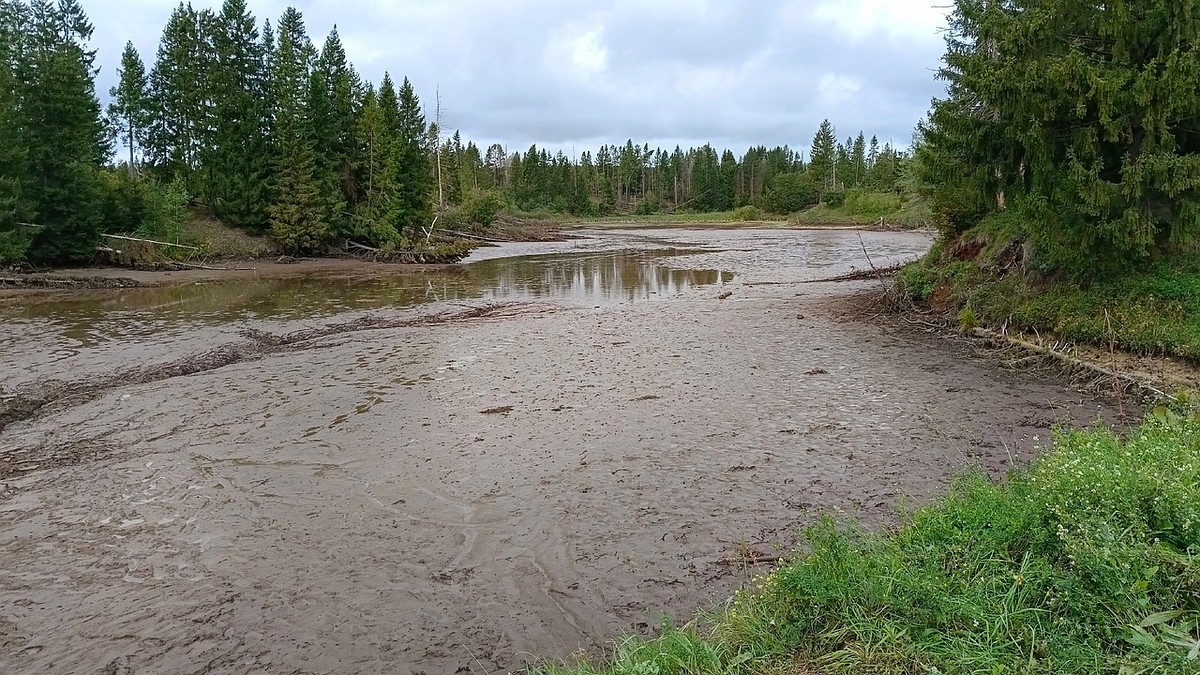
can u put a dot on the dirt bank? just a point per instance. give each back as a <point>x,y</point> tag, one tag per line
<point>461,496</point>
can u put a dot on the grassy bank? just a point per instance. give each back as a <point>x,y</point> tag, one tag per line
<point>1085,562</point>
<point>746,214</point>
<point>869,209</point>
<point>1154,309</point>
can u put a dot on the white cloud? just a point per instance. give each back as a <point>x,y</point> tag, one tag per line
<point>835,90</point>
<point>864,19</point>
<point>574,72</point>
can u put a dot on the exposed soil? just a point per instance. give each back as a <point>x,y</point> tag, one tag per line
<point>471,493</point>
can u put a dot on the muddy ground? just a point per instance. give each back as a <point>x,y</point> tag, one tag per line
<point>511,481</point>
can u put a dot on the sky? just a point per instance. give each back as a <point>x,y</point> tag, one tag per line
<point>573,74</point>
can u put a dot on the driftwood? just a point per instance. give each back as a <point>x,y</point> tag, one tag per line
<point>149,241</point>
<point>195,266</point>
<point>473,237</point>
<point>994,337</point>
<point>354,244</point>
<point>859,275</point>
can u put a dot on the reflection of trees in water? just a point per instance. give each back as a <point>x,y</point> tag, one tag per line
<point>596,279</point>
<point>604,278</point>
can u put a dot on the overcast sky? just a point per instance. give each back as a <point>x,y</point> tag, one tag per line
<point>578,73</point>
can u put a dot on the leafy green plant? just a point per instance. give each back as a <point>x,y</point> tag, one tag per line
<point>967,321</point>
<point>746,213</point>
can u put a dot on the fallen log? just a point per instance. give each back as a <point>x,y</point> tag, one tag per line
<point>122,237</point>
<point>473,237</point>
<point>195,266</point>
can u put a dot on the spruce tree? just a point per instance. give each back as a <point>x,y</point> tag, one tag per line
<point>375,173</point>
<point>239,155</point>
<point>331,118</point>
<point>129,111</point>
<point>858,159</point>
<point>413,206</point>
<point>64,133</point>
<point>297,218</point>
<point>180,90</point>
<point>822,157</point>
<point>14,170</point>
<point>1082,116</point>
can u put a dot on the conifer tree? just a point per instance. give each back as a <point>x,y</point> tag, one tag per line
<point>239,156</point>
<point>413,206</point>
<point>822,157</point>
<point>1083,116</point>
<point>14,171</point>
<point>296,214</point>
<point>64,134</point>
<point>331,119</point>
<point>858,159</point>
<point>129,111</point>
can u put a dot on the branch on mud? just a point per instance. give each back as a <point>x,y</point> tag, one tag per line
<point>122,237</point>
<point>1079,364</point>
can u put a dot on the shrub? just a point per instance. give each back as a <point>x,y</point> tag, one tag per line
<point>791,192</point>
<point>835,198</point>
<point>482,206</point>
<point>746,213</point>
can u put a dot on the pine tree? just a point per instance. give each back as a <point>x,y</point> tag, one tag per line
<point>129,112</point>
<point>822,157</point>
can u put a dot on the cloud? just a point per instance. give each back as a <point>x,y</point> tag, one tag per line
<point>573,73</point>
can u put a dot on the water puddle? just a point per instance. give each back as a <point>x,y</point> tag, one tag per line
<point>595,278</point>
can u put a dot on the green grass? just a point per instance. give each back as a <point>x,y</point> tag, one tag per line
<point>1154,309</point>
<point>867,208</point>
<point>1085,562</point>
<point>734,216</point>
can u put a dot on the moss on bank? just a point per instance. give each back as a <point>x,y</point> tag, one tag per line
<point>1085,562</point>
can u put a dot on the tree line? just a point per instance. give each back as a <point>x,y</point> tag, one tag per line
<point>633,178</point>
<point>255,125</point>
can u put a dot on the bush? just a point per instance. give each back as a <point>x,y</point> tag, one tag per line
<point>746,213</point>
<point>791,192</point>
<point>482,206</point>
<point>872,205</point>
<point>835,198</point>
<point>165,211</point>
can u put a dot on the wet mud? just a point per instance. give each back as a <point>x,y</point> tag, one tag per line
<point>374,491</point>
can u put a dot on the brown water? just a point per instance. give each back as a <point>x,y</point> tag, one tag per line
<point>466,495</point>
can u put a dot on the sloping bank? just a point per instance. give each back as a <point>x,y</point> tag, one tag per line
<point>988,276</point>
<point>1085,562</point>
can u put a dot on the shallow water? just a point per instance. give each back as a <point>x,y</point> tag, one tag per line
<point>480,492</point>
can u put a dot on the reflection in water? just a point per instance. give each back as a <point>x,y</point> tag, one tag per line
<point>595,278</point>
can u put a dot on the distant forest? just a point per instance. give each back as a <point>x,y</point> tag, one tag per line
<point>255,125</point>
